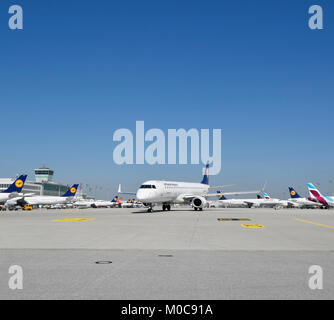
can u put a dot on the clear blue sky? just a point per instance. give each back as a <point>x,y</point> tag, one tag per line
<point>82,69</point>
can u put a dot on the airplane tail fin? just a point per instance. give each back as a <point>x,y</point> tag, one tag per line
<point>206,174</point>
<point>17,185</point>
<point>314,191</point>
<point>266,196</point>
<point>293,193</point>
<point>222,197</point>
<point>71,191</point>
<point>115,199</point>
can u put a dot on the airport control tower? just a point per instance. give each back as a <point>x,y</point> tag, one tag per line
<point>44,175</point>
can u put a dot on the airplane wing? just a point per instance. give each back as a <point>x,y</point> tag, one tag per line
<point>13,195</point>
<point>219,187</point>
<point>235,193</point>
<point>188,197</point>
<point>249,202</point>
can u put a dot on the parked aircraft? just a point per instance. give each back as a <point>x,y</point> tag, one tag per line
<point>302,202</point>
<point>317,196</point>
<point>259,202</point>
<point>13,190</point>
<point>49,200</point>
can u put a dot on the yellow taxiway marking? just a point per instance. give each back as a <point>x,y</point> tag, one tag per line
<point>73,219</point>
<point>317,224</point>
<point>253,226</point>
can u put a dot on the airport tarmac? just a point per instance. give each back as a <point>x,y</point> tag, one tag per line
<point>181,254</point>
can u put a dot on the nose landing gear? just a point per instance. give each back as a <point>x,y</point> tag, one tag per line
<point>149,207</point>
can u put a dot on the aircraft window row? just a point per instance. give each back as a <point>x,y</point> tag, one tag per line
<point>148,186</point>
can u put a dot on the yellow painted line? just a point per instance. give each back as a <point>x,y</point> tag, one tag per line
<point>317,224</point>
<point>253,226</point>
<point>73,219</point>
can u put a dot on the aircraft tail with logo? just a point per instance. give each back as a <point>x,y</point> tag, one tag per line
<point>206,175</point>
<point>71,191</point>
<point>266,195</point>
<point>293,193</point>
<point>316,194</point>
<point>17,185</point>
<point>221,196</point>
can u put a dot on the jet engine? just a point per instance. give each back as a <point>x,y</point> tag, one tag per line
<point>199,202</point>
<point>21,202</point>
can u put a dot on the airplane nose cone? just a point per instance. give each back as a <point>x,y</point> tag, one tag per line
<point>140,196</point>
<point>144,196</point>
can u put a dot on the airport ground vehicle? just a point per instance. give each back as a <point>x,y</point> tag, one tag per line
<point>27,207</point>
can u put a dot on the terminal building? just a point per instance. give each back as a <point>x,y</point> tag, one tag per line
<point>42,186</point>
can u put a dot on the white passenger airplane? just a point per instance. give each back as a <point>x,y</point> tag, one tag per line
<point>266,202</point>
<point>165,193</point>
<point>316,195</point>
<point>95,203</point>
<point>13,190</point>
<point>50,200</point>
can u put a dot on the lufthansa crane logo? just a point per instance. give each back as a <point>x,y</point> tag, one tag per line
<point>19,183</point>
<point>73,190</point>
<point>293,192</point>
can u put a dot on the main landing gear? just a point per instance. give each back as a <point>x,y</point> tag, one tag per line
<point>200,209</point>
<point>149,207</point>
<point>166,207</point>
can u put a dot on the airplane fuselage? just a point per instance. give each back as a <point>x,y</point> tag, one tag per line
<point>46,200</point>
<point>304,202</point>
<point>159,191</point>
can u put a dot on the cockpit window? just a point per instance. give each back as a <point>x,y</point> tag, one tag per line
<point>147,186</point>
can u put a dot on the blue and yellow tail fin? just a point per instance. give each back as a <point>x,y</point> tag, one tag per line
<point>293,193</point>
<point>115,199</point>
<point>17,185</point>
<point>71,191</point>
<point>222,197</point>
<point>206,175</point>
